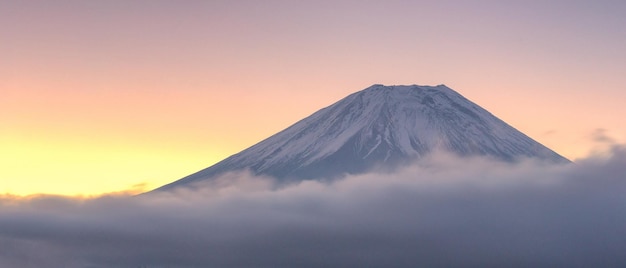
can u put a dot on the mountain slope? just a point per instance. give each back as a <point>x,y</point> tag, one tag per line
<point>379,126</point>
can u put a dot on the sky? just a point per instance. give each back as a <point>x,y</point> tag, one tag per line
<point>106,96</point>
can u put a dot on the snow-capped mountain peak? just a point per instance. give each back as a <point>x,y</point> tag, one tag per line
<point>380,126</point>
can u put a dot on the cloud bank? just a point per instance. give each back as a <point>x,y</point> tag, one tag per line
<point>442,211</point>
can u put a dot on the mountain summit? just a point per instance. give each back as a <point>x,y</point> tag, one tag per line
<point>381,126</point>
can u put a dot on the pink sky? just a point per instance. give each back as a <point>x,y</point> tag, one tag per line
<point>98,96</point>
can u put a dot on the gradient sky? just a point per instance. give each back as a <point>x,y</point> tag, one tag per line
<point>101,96</point>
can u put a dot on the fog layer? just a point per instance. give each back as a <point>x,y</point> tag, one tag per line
<point>442,211</point>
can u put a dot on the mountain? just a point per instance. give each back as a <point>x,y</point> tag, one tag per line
<point>382,126</point>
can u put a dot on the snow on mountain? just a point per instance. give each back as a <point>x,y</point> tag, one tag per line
<point>379,126</point>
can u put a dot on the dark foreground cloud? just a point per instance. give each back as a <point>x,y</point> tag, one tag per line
<point>441,212</point>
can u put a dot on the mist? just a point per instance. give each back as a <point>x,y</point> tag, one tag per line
<point>442,211</point>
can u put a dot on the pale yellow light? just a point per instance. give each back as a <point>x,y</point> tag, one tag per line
<point>56,167</point>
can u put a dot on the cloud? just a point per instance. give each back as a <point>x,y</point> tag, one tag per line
<point>443,211</point>
<point>600,135</point>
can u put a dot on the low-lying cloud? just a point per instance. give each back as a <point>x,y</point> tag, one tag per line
<point>442,211</point>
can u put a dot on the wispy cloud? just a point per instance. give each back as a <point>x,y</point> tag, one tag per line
<point>443,211</point>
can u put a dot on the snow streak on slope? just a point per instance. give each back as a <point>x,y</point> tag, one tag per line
<point>381,126</point>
